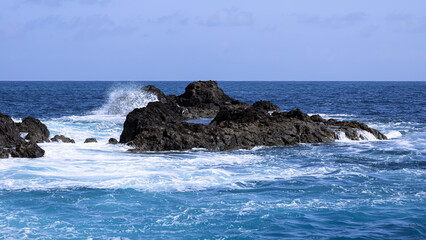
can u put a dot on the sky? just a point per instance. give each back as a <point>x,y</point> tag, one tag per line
<point>225,40</point>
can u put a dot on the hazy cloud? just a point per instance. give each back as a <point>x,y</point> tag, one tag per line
<point>407,23</point>
<point>83,27</point>
<point>229,17</point>
<point>174,18</point>
<point>336,21</point>
<point>57,3</point>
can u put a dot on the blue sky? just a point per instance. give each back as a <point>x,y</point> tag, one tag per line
<point>271,40</point>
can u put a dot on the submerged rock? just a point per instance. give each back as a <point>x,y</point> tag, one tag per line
<point>90,140</point>
<point>37,131</point>
<point>113,141</point>
<point>160,126</point>
<point>62,138</point>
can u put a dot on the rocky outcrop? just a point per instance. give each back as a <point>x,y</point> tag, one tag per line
<point>37,131</point>
<point>62,138</point>
<point>90,140</point>
<point>160,126</point>
<point>11,142</point>
<point>9,132</point>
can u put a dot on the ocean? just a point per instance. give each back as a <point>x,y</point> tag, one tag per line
<point>342,190</point>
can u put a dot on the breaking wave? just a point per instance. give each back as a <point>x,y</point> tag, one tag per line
<point>123,100</point>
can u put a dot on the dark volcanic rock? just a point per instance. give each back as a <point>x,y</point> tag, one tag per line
<point>232,129</point>
<point>62,138</point>
<point>112,141</point>
<point>157,92</point>
<point>203,99</point>
<point>154,114</point>
<point>90,140</point>
<point>161,126</point>
<point>351,129</point>
<point>4,153</point>
<point>27,150</point>
<point>317,118</point>
<point>37,131</point>
<point>11,141</point>
<point>9,132</point>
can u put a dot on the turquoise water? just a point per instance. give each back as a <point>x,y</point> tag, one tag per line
<point>347,189</point>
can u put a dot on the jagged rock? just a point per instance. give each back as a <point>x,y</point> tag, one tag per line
<point>203,99</point>
<point>157,92</point>
<point>351,129</point>
<point>62,138</point>
<point>37,131</point>
<point>161,126</point>
<point>27,150</point>
<point>90,140</point>
<point>232,129</point>
<point>112,141</point>
<point>317,118</point>
<point>9,132</point>
<point>154,114</point>
<point>4,153</point>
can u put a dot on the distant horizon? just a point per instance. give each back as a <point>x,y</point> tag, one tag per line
<point>212,80</point>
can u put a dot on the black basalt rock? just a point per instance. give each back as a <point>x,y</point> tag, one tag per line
<point>203,99</point>
<point>27,150</point>
<point>62,138</point>
<point>37,131</point>
<point>9,132</point>
<point>90,140</point>
<point>161,126</point>
<point>113,141</point>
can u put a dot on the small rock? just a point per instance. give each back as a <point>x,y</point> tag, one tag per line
<point>62,138</point>
<point>112,141</point>
<point>90,140</point>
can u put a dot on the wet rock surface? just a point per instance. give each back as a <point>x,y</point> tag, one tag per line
<point>37,131</point>
<point>62,138</point>
<point>113,141</point>
<point>11,142</point>
<point>27,150</point>
<point>160,126</point>
<point>90,140</point>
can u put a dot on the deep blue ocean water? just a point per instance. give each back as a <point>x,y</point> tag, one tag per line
<point>341,190</point>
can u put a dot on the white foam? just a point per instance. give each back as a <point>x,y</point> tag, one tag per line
<point>341,137</point>
<point>365,135</point>
<point>393,134</point>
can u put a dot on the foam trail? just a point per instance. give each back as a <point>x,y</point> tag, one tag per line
<point>366,136</point>
<point>123,100</point>
<point>341,137</point>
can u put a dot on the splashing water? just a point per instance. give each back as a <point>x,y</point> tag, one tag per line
<point>123,100</point>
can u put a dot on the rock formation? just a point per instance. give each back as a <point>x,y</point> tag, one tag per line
<point>37,131</point>
<point>62,138</point>
<point>90,140</point>
<point>113,141</point>
<point>161,126</point>
<point>11,142</point>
